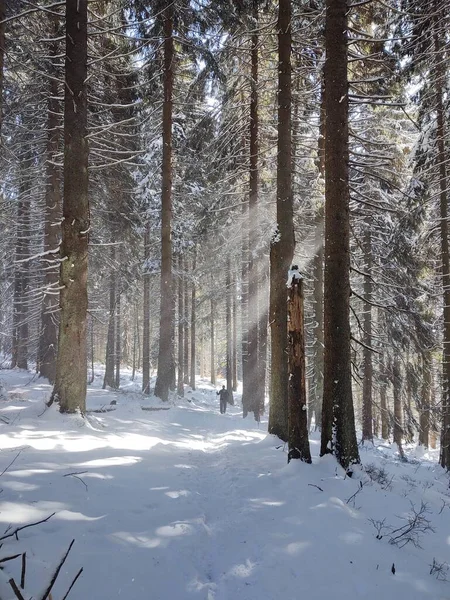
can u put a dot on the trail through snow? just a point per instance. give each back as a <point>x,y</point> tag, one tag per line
<point>188,504</point>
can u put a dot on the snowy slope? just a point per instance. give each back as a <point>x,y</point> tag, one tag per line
<point>186,503</point>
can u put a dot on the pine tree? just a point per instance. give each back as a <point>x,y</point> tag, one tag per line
<point>71,366</point>
<point>338,424</point>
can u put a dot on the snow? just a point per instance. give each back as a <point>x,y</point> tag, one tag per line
<point>186,503</point>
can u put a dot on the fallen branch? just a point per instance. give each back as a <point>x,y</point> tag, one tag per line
<point>56,573</point>
<point>76,477</point>
<point>16,531</point>
<point>24,568</point>
<point>2,560</point>
<point>316,486</point>
<point>11,463</point>
<point>16,590</point>
<point>73,583</point>
<point>353,496</point>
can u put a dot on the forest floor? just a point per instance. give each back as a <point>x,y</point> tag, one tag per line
<point>187,503</point>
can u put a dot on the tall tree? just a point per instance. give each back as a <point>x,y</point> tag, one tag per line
<point>440,75</point>
<point>282,245</point>
<point>49,324</point>
<point>338,421</point>
<point>166,328</point>
<point>70,383</point>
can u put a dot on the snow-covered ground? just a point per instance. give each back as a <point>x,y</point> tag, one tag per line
<point>187,503</point>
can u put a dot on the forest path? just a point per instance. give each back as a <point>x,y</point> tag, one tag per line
<point>189,504</point>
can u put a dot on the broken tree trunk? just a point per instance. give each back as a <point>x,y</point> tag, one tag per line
<point>297,414</point>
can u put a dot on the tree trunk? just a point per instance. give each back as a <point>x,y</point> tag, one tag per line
<point>297,414</point>
<point>338,421</point>
<point>180,386</point>
<point>212,336</point>
<point>135,341</point>
<point>383,400</point>
<point>263,332</point>
<point>439,82</point>
<point>425,401</point>
<point>166,329</point>
<point>48,338</point>
<point>229,334</point>
<point>186,326</point>
<point>109,379</point>
<point>91,380</point>
<point>234,354</point>
<point>251,397</point>
<point>282,245</point>
<point>398,413</point>
<point>146,316</point>
<point>193,324</point>
<point>318,342</point>
<point>2,55</point>
<point>70,384</point>
<point>367,416</point>
<point>22,269</point>
<point>118,346</point>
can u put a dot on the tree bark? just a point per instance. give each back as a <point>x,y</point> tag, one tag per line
<point>22,269</point>
<point>186,326</point>
<point>180,384</point>
<point>2,55</point>
<point>398,413</point>
<point>213,341</point>
<point>146,316</point>
<point>439,79</point>
<point>118,344</point>
<point>234,353</point>
<point>109,379</point>
<point>251,397</point>
<point>425,401</point>
<point>70,383</point>
<point>297,414</point>
<point>229,333</point>
<point>282,245</point>
<point>367,405</point>
<point>48,338</point>
<point>383,400</point>
<point>338,421</point>
<point>262,342</point>
<point>166,329</point>
<point>318,341</point>
<point>193,363</point>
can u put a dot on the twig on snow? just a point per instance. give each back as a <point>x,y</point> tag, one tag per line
<point>316,486</point>
<point>73,583</point>
<point>11,463</point>
<point>56,573</point>
<point>2,560</point>
<point>76,477</point>
<point>16,531</point>
<point>15,589</point>
<point>24,568</point>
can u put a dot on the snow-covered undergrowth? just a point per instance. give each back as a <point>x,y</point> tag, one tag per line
<point>186,503</point>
